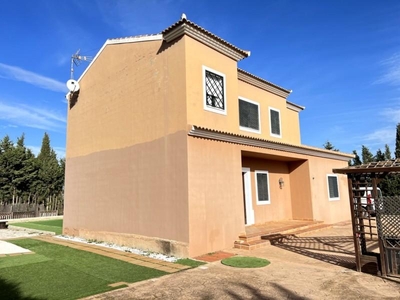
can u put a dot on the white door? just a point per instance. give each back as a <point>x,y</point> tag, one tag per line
<point>247,198</point>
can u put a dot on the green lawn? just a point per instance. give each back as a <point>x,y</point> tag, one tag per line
<point>190,262</point>
<point>245,262</point>
<point>49,225</point>
<point>58,272</point>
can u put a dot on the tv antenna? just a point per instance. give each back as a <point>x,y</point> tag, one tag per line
<point>76,60</point>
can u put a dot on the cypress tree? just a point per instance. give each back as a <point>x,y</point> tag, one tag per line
<point>397,152</point>
<point>366,155</point>
<point>388,154</point>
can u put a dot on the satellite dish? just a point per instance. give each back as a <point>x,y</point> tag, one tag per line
<point>68,96</point>
<point>73,85</point>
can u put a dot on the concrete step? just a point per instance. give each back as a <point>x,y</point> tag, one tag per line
<point>288,230</point>
<point>264,239</point>
<point>251,245</point>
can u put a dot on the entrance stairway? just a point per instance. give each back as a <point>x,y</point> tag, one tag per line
<point>259,235</point>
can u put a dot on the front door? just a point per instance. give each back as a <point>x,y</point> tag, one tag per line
<point>247,198</point>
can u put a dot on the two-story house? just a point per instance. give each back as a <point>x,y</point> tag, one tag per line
<point>172,148</point>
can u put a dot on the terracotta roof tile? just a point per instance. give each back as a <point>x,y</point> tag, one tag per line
<point>185,21</point>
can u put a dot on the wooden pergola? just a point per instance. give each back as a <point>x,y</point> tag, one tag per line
<point>373,221</point>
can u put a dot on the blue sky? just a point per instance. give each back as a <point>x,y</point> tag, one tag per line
<point>340,58</point>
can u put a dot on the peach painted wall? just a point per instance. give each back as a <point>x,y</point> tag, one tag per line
<point>323,209</point>
<point>199,55</point>
<point>280,207</point>
<point>301,190</point>
<point>216,205</point>
<point>129,96</point>
<point>216,210</point>
<point>290,128</point>
<point>126,166</point>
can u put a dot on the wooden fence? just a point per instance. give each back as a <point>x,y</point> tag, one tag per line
<point>27,214</point>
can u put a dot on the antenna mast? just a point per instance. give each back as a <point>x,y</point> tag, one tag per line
<point>76,60</point>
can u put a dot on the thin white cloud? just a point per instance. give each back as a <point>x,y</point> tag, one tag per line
<point>392,114</point>
<point>392,74</point>
<point>24,115</point>
<point>19,74</point>
<point>381,136</point>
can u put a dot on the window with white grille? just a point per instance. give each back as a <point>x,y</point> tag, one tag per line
<point>249,115</point>
<point>214,91</point>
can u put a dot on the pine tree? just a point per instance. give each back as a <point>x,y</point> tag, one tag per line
<point>388,154</point>
<point>328,146</point>
<point>50,174</point>
<point>25,178</point>
<point>397,152</point>
<point>366,155</point>
<point>6,169</point>
<point>45,149</point>
<point>380,156</point>
<point>356,159</point>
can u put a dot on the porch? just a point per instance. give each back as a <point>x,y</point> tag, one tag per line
<point>259,235</point>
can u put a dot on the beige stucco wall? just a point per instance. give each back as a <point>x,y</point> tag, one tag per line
<point>198,55</point>
<point>323,209</point>
<point>216,206</point>
<point>216,211</point>
<point>280,207</point>
<point>133,93</point>
<point>134,176</point>
<point>126,166</point>
<point>290,128</point>
<point>301,190</point>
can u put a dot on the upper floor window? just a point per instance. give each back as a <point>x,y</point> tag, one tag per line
<point>333,187</point>
<point>214,91</point>
<point>275,120</point>
<point>249,115</point>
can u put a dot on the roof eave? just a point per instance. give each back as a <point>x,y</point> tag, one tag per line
<point>262,83</point>
<point>197,131</point>
<point>127,40</point>
<point>184,27</point>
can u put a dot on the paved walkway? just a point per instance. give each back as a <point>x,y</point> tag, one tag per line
<point>9,249</point>
<point>318,265</point>
<point>132,258</point>
<point>215,256</point>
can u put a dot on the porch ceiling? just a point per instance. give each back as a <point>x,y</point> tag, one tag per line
<point>270,156</point>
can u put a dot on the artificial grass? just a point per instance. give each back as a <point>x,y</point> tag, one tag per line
<point>58,272</point>
<point>245,262</point>
<point>190,262</point>
<point>49,225</point>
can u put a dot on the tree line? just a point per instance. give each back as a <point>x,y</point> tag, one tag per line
<point>26,178</point>
<point>390,186</point>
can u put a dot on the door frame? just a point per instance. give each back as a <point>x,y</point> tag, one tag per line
<point>248,199</point>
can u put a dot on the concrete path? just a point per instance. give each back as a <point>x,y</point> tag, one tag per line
<point>315,266</point>
<point>7,248</point>
<point>132,258</point>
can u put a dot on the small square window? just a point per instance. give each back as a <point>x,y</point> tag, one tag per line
<point>333,187</point>
<point>262,187</point>
<point>214,91</point>
<point>275,122</point>
<point>249,115</point>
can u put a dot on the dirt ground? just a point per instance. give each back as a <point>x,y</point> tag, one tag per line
<point>317,265</point>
